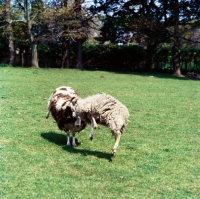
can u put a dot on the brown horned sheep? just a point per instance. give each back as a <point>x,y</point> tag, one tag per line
<point>59,106</point>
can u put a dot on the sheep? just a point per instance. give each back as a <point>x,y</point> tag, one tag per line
<point>59,106</point>
<point>102,109</point>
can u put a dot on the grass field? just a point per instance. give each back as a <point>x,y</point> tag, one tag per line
<point>158,155</point>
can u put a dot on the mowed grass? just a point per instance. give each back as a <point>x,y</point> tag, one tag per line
<point>158,155</point>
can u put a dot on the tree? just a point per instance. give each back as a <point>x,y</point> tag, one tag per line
<point>134,21</point>
<point>10,34</point>
<point>33,44</point>
<point>30,11</point>
<point>7,29</point>
<point>79,17</point>
<point>3,43</point>
<point>178,15</point>
<point>155,22</point>
<point>66,23</point>
<point>58,22</point>
<point>176,56</point>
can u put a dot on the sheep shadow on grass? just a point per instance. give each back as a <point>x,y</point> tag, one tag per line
<point>60,139</point>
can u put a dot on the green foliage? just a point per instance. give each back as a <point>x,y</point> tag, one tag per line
<point>105,57</point>
<point>4,65</point>
<point>20,33</point>
<point>114,57</point>
<point>44,48</point>
<point>3,38</point>
<point>157,156</point>
<point>189,59</point>
<point>51,55</point>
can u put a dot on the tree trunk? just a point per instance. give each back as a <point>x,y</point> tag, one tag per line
<point>34,55</point>
<point>176,60</point>
<point>79,41</point>
<point>64,57</point>
<point>65,61</point>
<point>176,55</point>
<point>10,34</point>
<point>79,54</point>
<point>151,46</point>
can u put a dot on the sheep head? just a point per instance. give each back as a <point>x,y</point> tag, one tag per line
<point>75,114</point>
<point>82,110</point>
<point>73,101</point>
<point>80,106</point>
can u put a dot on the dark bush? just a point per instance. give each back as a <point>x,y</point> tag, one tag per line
<point>189,60</point>
<point>113,57</point>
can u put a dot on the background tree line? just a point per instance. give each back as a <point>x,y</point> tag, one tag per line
<point>154,34</point>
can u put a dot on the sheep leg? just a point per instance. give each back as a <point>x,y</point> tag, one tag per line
<point>93,126</point>
<point>117,139</point>
<point>47,114</point>
<point>68,138</point>
<point>91,130</point>
<point>73,140</point>
<point>94,123</point>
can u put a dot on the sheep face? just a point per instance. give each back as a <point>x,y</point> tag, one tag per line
<point>81,110</point>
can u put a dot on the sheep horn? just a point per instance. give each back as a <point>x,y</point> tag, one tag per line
<point>73,100</point>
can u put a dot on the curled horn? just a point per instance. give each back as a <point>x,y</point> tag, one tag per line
<point>73,101</point>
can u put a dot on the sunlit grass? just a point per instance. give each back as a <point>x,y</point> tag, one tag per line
<point>158,155</point>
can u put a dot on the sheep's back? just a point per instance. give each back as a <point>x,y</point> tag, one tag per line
<point>112,112</point>
<point>107,104</point>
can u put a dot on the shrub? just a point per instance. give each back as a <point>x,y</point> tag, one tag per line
<point>113,57</point>
<point>4,65</point>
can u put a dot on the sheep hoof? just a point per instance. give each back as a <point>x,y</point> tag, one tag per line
<point>74,145</point>
<point>68,144</point>
<point>91,138</point>
<point>113,151</point>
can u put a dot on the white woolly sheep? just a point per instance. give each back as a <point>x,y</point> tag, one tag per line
<point>59,106</point>
<point>103,109</point>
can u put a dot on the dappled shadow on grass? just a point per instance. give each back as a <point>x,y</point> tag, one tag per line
<point>60,140</point>
<point>156,75</point>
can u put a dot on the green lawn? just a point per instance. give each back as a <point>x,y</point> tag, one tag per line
<point>158,155</point>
